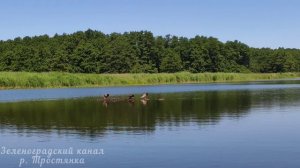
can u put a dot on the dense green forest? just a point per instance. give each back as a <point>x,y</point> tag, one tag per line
<point>136,52</point>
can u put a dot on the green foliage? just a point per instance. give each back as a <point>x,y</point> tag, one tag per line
<point>171,62</point>
<point>60,79</point>
<point>200,60</point>
<point>140,52</point>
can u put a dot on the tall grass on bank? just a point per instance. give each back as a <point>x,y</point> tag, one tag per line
<point>58,79</point>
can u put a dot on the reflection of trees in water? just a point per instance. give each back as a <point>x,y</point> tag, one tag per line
<point>89,117</point>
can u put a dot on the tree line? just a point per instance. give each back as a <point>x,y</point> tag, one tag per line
<point>140,52</point>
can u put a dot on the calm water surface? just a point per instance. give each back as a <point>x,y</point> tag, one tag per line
<point>212,125</point>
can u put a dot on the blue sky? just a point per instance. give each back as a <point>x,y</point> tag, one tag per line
<point>259,23</point>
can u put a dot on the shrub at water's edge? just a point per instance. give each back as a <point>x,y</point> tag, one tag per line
<point>58,79</point>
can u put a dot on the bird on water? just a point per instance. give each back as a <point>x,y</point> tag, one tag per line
<point>145,96</point>
<point>105,97</point>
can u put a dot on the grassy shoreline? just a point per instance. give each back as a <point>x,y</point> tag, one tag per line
<point>14,80</point>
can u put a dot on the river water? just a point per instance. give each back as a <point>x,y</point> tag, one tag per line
<point>252,124</point>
